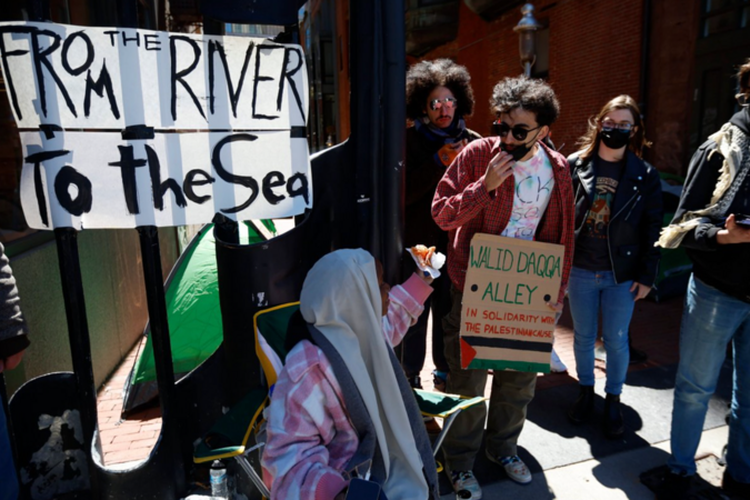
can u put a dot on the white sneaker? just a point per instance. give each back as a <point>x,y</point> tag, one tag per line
<point>514,467</point>
<point>466,485</point>
<point>556,364</point>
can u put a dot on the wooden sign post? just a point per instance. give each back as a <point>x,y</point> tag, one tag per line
<point>505,319</point>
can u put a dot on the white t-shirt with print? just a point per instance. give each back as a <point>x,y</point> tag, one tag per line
<point>534,182</point>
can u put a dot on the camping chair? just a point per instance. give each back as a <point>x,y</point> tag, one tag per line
<point>230,435</point>
<point>270,327</point>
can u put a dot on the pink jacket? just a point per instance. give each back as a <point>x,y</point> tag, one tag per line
<point>310,438</point>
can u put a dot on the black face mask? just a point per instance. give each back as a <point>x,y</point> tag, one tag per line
<point>521,150</point>
<point>615,139</point>
<point>517,152</point>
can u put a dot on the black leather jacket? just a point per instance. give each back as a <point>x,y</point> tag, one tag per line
<point>637,216</point>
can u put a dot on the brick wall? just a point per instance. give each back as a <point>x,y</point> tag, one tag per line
<point>594,55</point>
<point>670,89</point>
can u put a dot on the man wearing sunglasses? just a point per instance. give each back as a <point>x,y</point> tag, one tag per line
<point>511,185</point>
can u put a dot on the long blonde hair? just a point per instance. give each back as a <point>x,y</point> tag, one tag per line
<point>589,142</point>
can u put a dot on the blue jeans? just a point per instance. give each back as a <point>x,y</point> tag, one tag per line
<point>588,291</point>
<point>8,478</point>
<point>710,321</point>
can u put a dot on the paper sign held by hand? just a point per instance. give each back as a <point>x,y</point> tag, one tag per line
<point>505,319</point>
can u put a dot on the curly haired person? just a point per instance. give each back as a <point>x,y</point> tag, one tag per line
<point>438,97</point>
<point>512,185</point>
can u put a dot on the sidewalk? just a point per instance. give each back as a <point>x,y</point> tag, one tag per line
<point>576,462</point>
<point>567,462</point>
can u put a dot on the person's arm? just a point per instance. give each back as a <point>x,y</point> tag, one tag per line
<point>649,228</point>
<point>566,219</point>
<point>301,422</point>
<point>459,196</point>
<point>406,305</point>
<point>703,173</point>
<point>13,331</point>
<point>732,233</point>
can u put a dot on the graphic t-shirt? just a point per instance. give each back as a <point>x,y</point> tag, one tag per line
<point>534,182</point>
<point>592,250</point>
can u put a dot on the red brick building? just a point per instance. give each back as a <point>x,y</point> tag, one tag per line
<point>676,58</point>
<point>666,54</point>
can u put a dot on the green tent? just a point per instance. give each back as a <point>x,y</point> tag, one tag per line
<point>193,312</point>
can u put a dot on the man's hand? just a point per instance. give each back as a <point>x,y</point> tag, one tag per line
<point>732,233</point>
<point>498,170</point>
<point>555,307</point>
<point>11,361</point>
<point>640,291</point>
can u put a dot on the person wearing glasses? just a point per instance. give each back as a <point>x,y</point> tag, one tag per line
<point>712,224</point>
<point>511,185</point>
<point>438,97</point>
<point>618,216</point>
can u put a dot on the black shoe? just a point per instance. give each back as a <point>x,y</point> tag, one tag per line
<point>734,487</point>
<point>673,486</point>
<point>584,405</point>
<point>613,425</point>
<point>415,382</point>
<point>637,356</point>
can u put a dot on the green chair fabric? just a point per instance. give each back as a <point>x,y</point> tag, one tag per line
<point>229,435</point>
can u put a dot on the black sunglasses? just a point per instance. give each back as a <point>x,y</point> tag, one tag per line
<point>519,133</point>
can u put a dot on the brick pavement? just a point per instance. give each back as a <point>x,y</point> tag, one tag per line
<point>655,329</point>
<point>125,440</point>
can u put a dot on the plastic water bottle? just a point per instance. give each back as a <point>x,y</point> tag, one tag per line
<point>219,488</point>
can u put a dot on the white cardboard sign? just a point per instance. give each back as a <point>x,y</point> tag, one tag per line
<point>123,127</point>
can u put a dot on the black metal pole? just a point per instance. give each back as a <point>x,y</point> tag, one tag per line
<point>157,312</point>
<point>366,118</point>
<point>78,336</point>
<point>394,118</point>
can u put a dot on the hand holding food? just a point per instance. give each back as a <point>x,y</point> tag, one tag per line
<point>427,259</point>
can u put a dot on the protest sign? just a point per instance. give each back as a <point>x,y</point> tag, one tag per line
<point>125,127</point>
<point>505,320</point>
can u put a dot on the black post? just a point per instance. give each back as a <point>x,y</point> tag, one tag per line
<point>394,118</point>
<point>157,312</point>
<point>365,58</point>
<point>78,335</point>
<point>38,10</point>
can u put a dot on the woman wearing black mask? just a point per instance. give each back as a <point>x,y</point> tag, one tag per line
<point>618,216</point>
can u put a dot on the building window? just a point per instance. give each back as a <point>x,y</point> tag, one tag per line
<point>540,69</point>
<point>721,16</point>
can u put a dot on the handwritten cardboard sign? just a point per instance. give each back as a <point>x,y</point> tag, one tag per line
<point>505,320</point>
<point>123,127</point>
